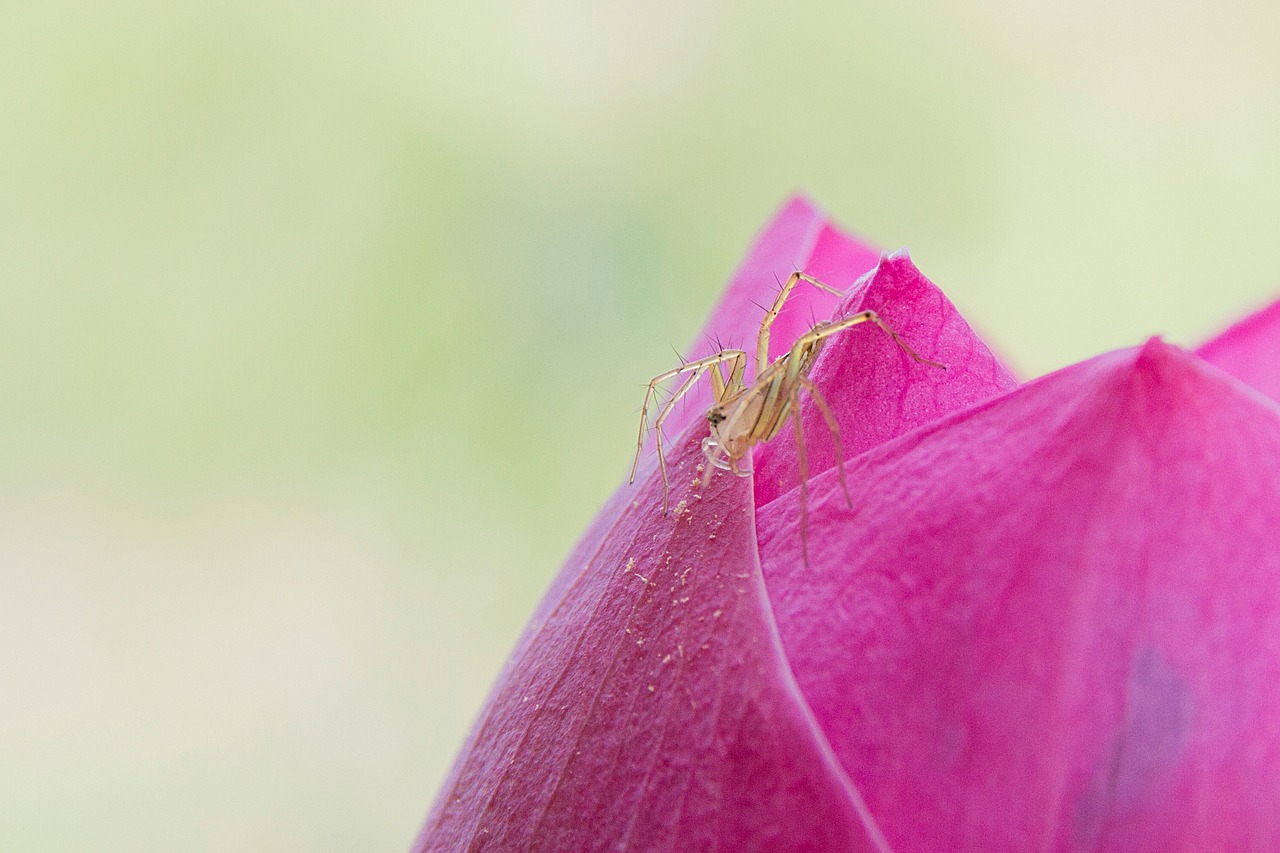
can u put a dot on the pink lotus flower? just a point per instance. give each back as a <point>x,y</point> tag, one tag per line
<point>1050,620</point>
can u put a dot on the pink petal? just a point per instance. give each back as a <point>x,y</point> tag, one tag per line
<point>1250,351</point>
<point>784,245</point>
<point>650,708</point>
<point>876,391</point>
<point>648,704</point>
<point>1052,621</point>
<point>798,237</point>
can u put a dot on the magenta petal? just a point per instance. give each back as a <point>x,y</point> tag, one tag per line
<point>885,393</point>
<point>799,238</point>
<point>799,234</point>
<point>796,234</point>
<point>1250,351</point>
<point>650,707</point>
<point>875,390</point>
<point>648,704</point>
<point>1052,621</point>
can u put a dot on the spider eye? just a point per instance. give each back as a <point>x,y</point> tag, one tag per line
<point>715,416</point>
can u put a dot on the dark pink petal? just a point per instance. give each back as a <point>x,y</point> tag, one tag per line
<point>800,236</point>
<point>648,705</point>
<point>651,708</point>
<point>1250,351</point>
<point>876,391</point>
<point>787,243</point>
<point>1052,621</point>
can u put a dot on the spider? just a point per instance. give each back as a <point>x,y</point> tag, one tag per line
<point>744,415</point>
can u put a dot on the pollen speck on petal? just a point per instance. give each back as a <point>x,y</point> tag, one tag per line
<point>650,706</point>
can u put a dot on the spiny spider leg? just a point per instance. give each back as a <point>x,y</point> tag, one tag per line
<point>762,340</point>
<point>826,330</point>
<point>723,387</point>
<point>803,464</point>
<point>745,415</point>
<point>802,458</point>
<point>834,426</point>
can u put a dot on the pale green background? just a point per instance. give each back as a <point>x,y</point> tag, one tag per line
<point>323,328</point>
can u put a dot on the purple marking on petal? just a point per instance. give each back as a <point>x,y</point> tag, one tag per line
<point>1052,620</point>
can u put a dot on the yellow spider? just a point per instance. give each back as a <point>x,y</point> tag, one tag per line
<point>744,415</point>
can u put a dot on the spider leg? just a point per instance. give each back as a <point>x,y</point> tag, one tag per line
<point>721,386</point>
<point>833,425</point>
<point>657,429</point>
<point>804,478</point>
<point>826,331</point>
<point>710,363</point>
<point>762,342</point>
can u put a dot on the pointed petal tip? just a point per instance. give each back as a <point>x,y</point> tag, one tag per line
<point>1157,357</point>
<point>874,390</point>
<point>802,201</point>
<point>1182,377</point>
<point>895,276</point>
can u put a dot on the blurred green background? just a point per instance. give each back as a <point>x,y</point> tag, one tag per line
<point>323,329</point>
